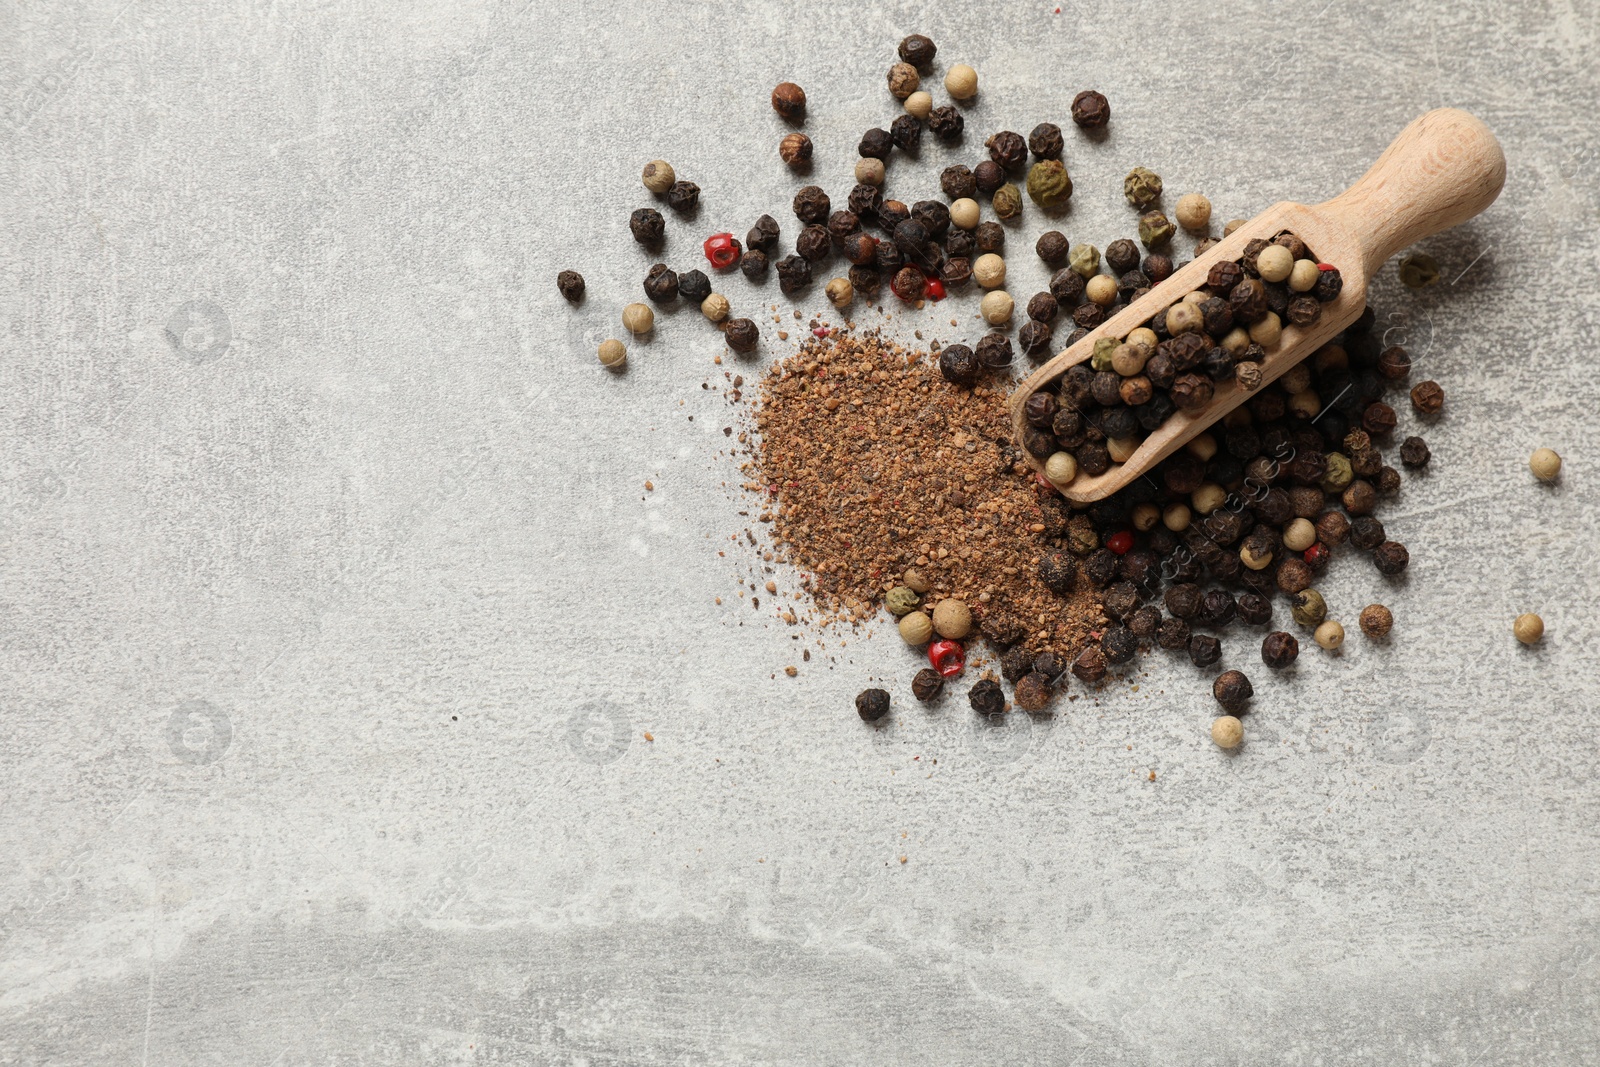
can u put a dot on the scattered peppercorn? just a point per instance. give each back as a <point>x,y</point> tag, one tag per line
<point>1232,690</point>
<point>1528,628</point>
<point>872,704</point>
<point>918,50</point>
<point>1227,731</point>
<point>1418,271</point>
<point>1376,621</point>
<point>661,284</point>
<point>947,122</point>
<point>1032,692</point>
<point>1045,141</point>
<point>1204,650</point>
<point>789,100</point>
<point>1155,230</point>
<point>1391,558</point>
<point>658,176</point>
<point>1330,635</point>
<point>906,133</point>
<point>613,354</point>
<point>683,197</point>
<point>927,685</point>
<point>959,365</point>
<point>648,226</point>
<point>1394,363</point>
<point>570,282</point>
<point>1141,187</point>
<point>1193,212</point>
<point>794,274</point>
<point>753,264</point>
<point>694,286</point>
<point>811,205</point>
<point>638,318</point>
<point>1545,464</point>
<point>1048,184</point>
<point>1090,110</point>
<point>1279,650</point>
<point>1308,608</point>
<point>961,82</point>
<point>1427,398</point>
<point>795,149</point>
<point>1007,201</point>
<point>1414,452</point>
<point>742,335</point>
<point>987,698</point>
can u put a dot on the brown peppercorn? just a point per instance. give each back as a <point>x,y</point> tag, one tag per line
<point>1279,650</point>
<point>647,226</point>
<point>1042,307</point>
<point>989,175</point>
<point>1224,276</point>
<point>1122,255</point>
<point>1032,692</point>
<point>1254,608</point>
<point>918,50</point>
<point>795,149</point>
<point>1232,690</point>
<point>683,197</point>
<point>1366,462</point>
<point>872,704</point>
<point>1294,575</point>
<point>1376,621</point>
<point>1136,390</point>
<point>1090,666</point>
<point>1387,481</point>
<point>742,335</point>
<point>1248,301</point>
<point>1391,557</point>
<point>994,350</point>
<point>957,182</point>
<point>789,100</point>
<point>947,123</point>
<point>753,264</point>
<point>794,274</point>
<point>1190,392</point>
<point>1157,267</point>
<point>1034,338</point>
<point>903,81</point>
<point>661,284</point>
<point>1378,419</point>
<point>811,205</point>
<point>865,200</point>
<point>1045,141</point>
<point>1007,149</point>
<point>957,271</point>
<point>570,282</point>
<point>865,280</point>
<point>860,249</point>
<point>927,684</point>
<point>1360,498</point>
<point>1119,645</point>
<point>1367,532</point>
<point>1304,310</point>
<point>1173,635</point>
<point>1395,363</point>
<point>1204,650</point>
<point>1067,286</point>
<point>1414,452</point>
<point>876,143</point>
<point>1427,398</point>
<point>1090,110</point>
<point>1333,528</point>
<point>813,243</point>
<point>763,235</point>
<point>987,698</point>
<point>991,237</point>
<point>906,133</point>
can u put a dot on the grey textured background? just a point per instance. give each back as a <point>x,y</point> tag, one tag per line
<point>332,624</point>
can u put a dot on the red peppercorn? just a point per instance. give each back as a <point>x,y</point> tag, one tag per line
<point>722,250</point>
<point>1120,541</point>
<point>1326,266</point>
<point>1316,555</point>
<point>935,289</point>
<point>947,657</point>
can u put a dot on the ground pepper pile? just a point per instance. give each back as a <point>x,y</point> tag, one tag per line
<point>873,463</point>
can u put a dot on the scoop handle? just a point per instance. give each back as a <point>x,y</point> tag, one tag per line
<point>1439,172</point>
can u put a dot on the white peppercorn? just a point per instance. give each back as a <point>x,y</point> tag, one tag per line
<point>989,271</point>
<point>919,104</point>
<point>1545,464</point>
<point>1121,449</point>
<point>613,354</point>
<point>964,213</point>
<point>1529,628</point>
<point>869,171</point>
<point>1299,535</point>
<point>638,318</point>
<point>1267,330</point>
<point>996,307</point>
<point>1274,263</point>
<point>1176,517</point>
<point>715,307</point>
<point>840,292</point>
<point>952,619</point>
<point>658,176</point>
<point>1303,276</point>
<point>961,82</point>
<point>1184,317</point>
<point>1227,731</point>
<point>916,628</point>
<point>1061,468</point>
<point>1101,289</point>
<point>1193,212</point>
<point>1330,635</point>
<point>1208,498</point>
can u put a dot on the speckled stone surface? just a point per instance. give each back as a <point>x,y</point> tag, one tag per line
<point>334,613</point>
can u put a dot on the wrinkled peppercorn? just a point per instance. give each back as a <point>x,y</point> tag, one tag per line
<point>1045,141</point>
<point>865,280</point>
<point>959,365</point>
<point>1032,692</point>
<point>661,284</point>
<point>1204,650</point>
<point>1391,557</point>
<point>1008,149</point>
<point>1232,690</point>
<point>763,235</point>
<point>1067,285</point>
<point>811,205</point>
<point>1090,666</point>
<point>947,123</point>
<point>1007,201</point>
<point>570,282</point>
<point>1378,419</point>
<point>956,272</point>
<point>860,249</point>
<point>1090,110</point>
<point>1155,229</point>
<point>1329,285</point>
<point>1279,650</point>
<point>1048,184</point>
<point>957,181</point>
<point>647,225</point>
<point>876,143</point>
<point>934,217</point>
<point>906,133</point>
<point>1254,609</point>
<point>1119,645</point>
<point>927,684</point>
<point>987,698</point>
<point>1034,338</point>
<point>683,197</point>
<point>1414,452</point>
<point>1427,398</point>
<point>1122,255</point>
<point>1173,635</point>
<point>865,200</point>
<point>795,149</point>
<point>1394,364</point>
<point>994,350</point>
<point>872,704</point>
<point>753,264</point>
<point>813,243</point>
<point>1042,307</point>
<point>742,335</point>
<point>918,50</point>
<point>1014,663</point>
<point>694,286</point>
<point>794,274</point>
<point>789,100</point>
<point>892,213</point>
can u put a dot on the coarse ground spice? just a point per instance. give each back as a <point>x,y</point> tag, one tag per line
<point>874,464</point>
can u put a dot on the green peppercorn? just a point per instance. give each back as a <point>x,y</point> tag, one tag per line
<point>1104,349</point>
<point>1049,184</point>
<point>1418,271</point>
<point>902,600</point>
<point>1155,229</point>
<point>1339,473</point>
<point>1142,187</point>
<point>1007,201</point>
<point>1084,260</point>
<point>1308,608</point>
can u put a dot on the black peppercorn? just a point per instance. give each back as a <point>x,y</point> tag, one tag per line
<point>1032,692</point>
<point>956,272</point>
<point>887,258</point>
<point>946,123</point>
<point>1367,532</point>
<point>1034,337</point>
<point>661,284</point>
<point>865,200</point>
<point>1157,267</point>
<point>1414,452</point>
<point>764,234</point>
<point>1329,284</point>
<point>1333,528</point>
<point>813,243</point>
<point>909,284</point>
<point>753,264</point>
<point>794,274</point>
<point>989,175</point>
<point>1050,666</point>
<point>927,684</point>
<point>906,133</point>
<point>1008,149</point>
<point>987,698</point>
<point>1216,318</point>
<point>1040,409</point>
<point>1387,481</point>
<point>991,237</point>
<point>1294,575</point>
<point>1122,255</point>
<point>1119,644</point>
<point>1391,557</point>
<point>1204,650</point>
<point>742,335</point>
<point>872,704</point>
<point>842,224</point>
<point>1045,141</point>
<point>648,226</point>
<point>570,282</point>
<point>1145,622</point>
<point>1066,285</point>
<point>1378,419</point>
<point>957,182</point>
<point>683,197</point>
<point>1279,650</point>
<point>1042,307</point>
<point>1218,365</point>
<point>959,365</point>
<point>1232,690</point>
<point>1394,363</point>
<point>1100,567</point>
<point>1224,276</point>
<point>875,144</point>
<point>918,51</point>
<point>1120,600</point>
<point>1156,411</point>
<point>1190,392</point>
<point>1090,666</point>
<point>1090,110</point>
<point>892,213</point>
<point>960,243</point>
<point>865,280</point>
<point>811,205</point>
<point>694,286</point>
<point>1173,635</point>
<point>934,216</point>
<point>1248,301</point>
<point>1052,247</point>
<point>1254,608</point>
<point>1069,428</point>
<point>1131,286</point>
<point>1038,444</point>
<point>1015,662</point>
<point>1427,398</point>
<point>994,350</point>
<point>1059,572</point>
<point>1183,600</point>
<point>1089,315</point>
<point>1304,310</point>
<point>1217,609</point>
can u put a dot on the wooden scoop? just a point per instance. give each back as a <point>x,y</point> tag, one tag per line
<point>1442,170</point>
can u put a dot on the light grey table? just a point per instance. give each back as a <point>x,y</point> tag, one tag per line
<point>333,623</point>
